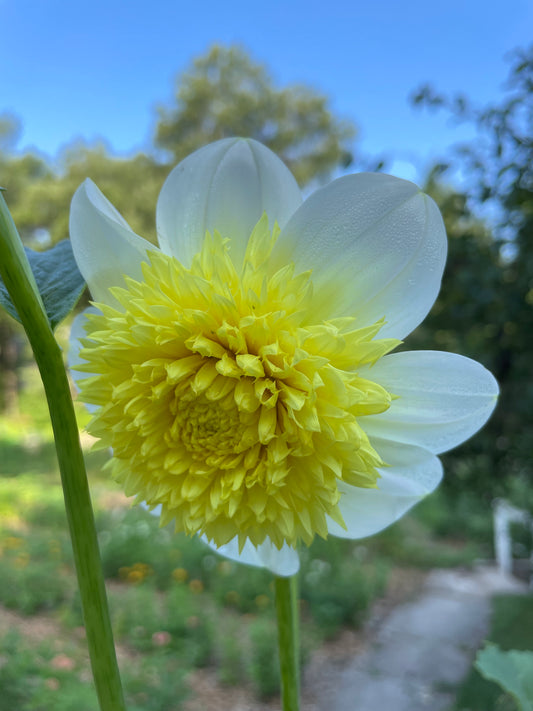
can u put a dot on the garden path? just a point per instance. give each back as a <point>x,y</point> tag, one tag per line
<point>419,652</point>
<point>409,657</point>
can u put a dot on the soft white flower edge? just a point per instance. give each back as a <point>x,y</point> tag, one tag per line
<point>225,186</point>
<point>283,562</point>
<point>442,399</point>
<point>77,332</point>
<point>412,474</point>
<point>376,246</point>
<point>104,246</point>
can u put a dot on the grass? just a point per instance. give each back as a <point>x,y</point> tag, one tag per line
<point>511,628</point>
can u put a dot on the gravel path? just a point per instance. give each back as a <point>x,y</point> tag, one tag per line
<point>420,651</point>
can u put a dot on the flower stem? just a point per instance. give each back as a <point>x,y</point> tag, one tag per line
<point>18,279</point>
<point>288,639</point>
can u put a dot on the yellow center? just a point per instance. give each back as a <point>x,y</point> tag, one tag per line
<point>225,403</point>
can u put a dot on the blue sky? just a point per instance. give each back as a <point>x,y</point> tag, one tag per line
<point>87,70</point>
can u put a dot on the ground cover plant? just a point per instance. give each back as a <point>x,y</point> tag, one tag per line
<point>175,605</point>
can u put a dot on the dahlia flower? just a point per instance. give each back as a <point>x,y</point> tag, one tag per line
<point>242,371</point>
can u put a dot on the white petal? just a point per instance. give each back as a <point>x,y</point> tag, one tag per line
<point>284,562</point>
<point>377,248</point>
<point>225,186</point>
<point>413,473</point>
<point>443,400</point>
<point>77,331</point>
<point>104,245</point>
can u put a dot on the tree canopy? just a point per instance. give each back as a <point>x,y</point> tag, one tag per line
<point>486,303</point>
<point>224,93</point>
<point>485,308</point>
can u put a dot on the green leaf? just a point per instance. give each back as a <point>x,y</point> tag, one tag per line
<point>512,670</point>
<point>58,278</point>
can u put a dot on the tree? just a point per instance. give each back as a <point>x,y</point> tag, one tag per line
<point>224,93</point>
<point>10,130</point>
<point>462,321</point>
<point>497,310</point>
<point>18,174</point>
<point>131,184</point>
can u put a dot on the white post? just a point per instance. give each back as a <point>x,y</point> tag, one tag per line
<point>504,515</point>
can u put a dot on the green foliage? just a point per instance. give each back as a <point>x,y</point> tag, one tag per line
<point>232,589</point>
<point>130,537</point>
<point>10,130</point>
<point>20,175</point>
<point>32,575</point>
<point>230,652</point>
<point>21,457</point>
<point>224,93</point>
<point>175,621</point>
<point>512,622</point>
<point>484,309</point>
<point>512,670</point>
<point>511,628</point>
<point>264,659</point>
<point>154,684</point>
<point>188,622</point>
<point>39,196</point>
<point>37,678</point>
<point>410,545</point>
<point>18,672</point>
<point>34,496</point>
<point>58,279</point>
<point>136,615</point>
<point>71,695</point>
<point>345,601</point>
<point>444,523</point>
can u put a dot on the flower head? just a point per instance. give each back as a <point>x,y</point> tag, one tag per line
<point>241,372</point>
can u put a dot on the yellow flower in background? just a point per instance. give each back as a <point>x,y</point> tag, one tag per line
<point>180,575</point>
<point>241,373</point>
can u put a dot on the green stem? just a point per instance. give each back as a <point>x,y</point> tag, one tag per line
<point>18,278</point>
<point>288,638</point>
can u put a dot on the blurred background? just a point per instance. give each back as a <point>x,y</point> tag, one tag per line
<point>120,92</point>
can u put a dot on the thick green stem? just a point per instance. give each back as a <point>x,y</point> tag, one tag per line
<point>18,278</point>
<point>288,637</point>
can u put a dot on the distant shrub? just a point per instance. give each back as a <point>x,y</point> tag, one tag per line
<point>231,588</point>
<point>31,681</point>
<point>264,659</point>
<point>230,669</point>
<point>18,674</point>
<point>29,585</point>
<point>130,537</point>
<point>174,620</point>
<point>340,597</point>
<point>155,684</point>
